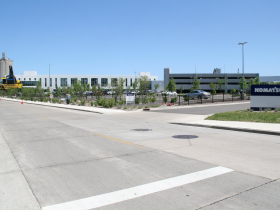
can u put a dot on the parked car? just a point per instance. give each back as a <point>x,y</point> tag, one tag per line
<point>173,93</point>
<point>111,92</point>
<point>198,94</point>
<point>88,93</point>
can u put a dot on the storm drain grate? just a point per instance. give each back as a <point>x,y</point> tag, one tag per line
<point>185,136</point>
<point>141,129</point>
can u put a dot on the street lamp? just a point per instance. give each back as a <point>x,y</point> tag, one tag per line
<point>242,43</point>
<point>50,76</point>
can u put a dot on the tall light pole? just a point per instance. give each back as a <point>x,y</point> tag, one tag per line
<point>242,43</point>
<point>50,76</point>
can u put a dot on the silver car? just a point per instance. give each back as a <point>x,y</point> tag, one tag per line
<point>198,94</point>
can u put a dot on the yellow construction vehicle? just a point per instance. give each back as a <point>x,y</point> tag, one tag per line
<point>10,81</point>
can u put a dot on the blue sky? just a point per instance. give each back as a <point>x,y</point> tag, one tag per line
<point>120,37</point>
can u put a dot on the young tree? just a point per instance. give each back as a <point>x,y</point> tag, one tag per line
<point>78,90</point>
<point>135,84</point>
<point>128,88</point>
<point>213,87</point>
<point>156,86</point>
<point>119,88</point>
<point>196,85</point>
<point>245,84</point>
<point>171,86</point>
<point>221,83</point>
<point>181,89</point>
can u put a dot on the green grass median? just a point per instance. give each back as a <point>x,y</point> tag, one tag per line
<point>247,116</point>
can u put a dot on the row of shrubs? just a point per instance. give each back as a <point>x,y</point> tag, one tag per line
<point>265,110</point>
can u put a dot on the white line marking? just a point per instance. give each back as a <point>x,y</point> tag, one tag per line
<point>141,190</point>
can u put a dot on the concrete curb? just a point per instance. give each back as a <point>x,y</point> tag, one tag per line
<point>52,105</point>
<point>231,128</point>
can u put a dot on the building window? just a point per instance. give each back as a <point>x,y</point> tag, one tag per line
<point>63,82</point>
<point>24,79</point>
<point>104,82</point>
<point>94,81</point>
<point>130,81</point>
<point>84,81</point>
<point>50,82</point>
<point>114,82</point>
<point>55,82</point>
<point>126,82</point>
<point>45,82</point>
<point>29,83</point>
<point>73,80</point>
<point>34,79</point>
<point>29,79</point>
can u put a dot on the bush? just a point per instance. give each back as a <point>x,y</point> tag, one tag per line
<point>83,102</point>
<point>173,100</point>
<point>153,99</point>
<point>214,92</point>
<point>133,107</point>
<point>266,110</point>
<point>119,107</point>
<point>95,103</point>
<point>186,98</point>
<point>126,107</point>
<point>277,110</point>
<point>147,107</point>
<point>137,100</point>
<point>164,98</point>
<point>91,103</point>
<point>251,110</point>
<point>155,105</point>
<point>145,100</point>
<point>110,103</point>
<point>260,109</point>
<point>140,107</point>
<point>269,110</point>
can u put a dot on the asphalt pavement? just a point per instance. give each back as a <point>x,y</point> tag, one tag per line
<point>67,159</point>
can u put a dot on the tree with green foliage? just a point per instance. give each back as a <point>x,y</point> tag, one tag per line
<point>58,92</point>
<point>78,89</point>
<point>195,85</point>
<point>156,86</point>
<point>181,89</point>
<point>213,87</point>
<point>128,88</point>
<point>143,86</point>
<point>135,84</point>
<point>119,88</point>
<point>245,84</point>
<point>171,86</point>
<point>221,84</point>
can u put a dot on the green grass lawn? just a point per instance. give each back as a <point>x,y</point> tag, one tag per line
<point>247,116</point>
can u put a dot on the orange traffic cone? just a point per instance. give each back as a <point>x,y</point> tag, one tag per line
<point>21,102</point>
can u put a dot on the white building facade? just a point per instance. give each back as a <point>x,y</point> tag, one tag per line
<point>30,78</point>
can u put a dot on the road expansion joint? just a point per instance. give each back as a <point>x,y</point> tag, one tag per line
<point>84,161</point>
<point>25,178</point>
<point>250,189</point>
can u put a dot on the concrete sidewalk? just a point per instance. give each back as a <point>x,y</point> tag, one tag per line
<point>187,120</point>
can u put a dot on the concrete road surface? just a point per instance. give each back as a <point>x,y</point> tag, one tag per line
<point>64,159</point>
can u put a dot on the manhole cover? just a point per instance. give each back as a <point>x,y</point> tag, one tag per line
<point>185,136</point>
<point>141,129</point>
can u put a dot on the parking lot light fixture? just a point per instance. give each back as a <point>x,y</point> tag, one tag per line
<point>242,43</point>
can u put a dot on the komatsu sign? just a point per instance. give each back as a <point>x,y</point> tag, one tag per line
<point>265,97</point>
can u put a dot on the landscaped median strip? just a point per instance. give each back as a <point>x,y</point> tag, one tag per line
<point>138,191</point>
<point>231,128</point>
